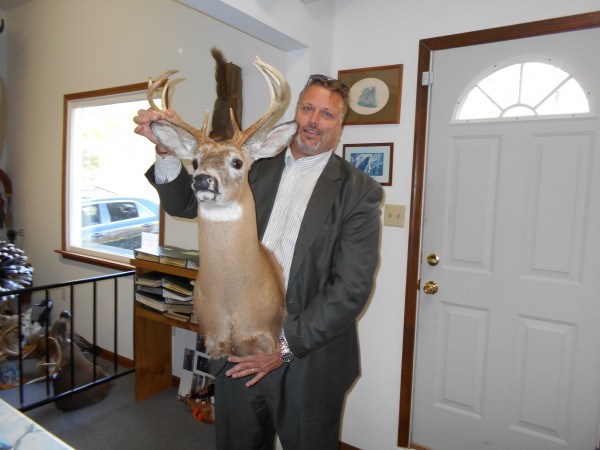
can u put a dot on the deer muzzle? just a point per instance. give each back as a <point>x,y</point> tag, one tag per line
<point>205,182</point>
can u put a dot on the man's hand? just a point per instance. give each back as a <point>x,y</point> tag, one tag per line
<point>259,364</point>
<point>144,118</point>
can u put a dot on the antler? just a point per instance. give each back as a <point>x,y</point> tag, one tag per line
<point>278,93</point>
<point>153,85</point>
<point>6,351</point>
<point>54,365</point>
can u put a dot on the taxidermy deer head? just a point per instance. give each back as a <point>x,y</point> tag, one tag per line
<point>239,293</point>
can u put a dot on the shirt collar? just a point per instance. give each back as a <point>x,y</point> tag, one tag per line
<point>308,163</point>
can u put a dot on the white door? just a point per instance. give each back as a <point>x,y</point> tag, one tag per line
<point>508,349</point>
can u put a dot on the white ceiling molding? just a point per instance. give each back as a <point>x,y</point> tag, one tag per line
<point>232,16</point>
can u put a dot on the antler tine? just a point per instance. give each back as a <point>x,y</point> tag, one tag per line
<point>57,364</point>
<point>153,85</point>
<point>204,127</point>
<point>278,91</point>
<point>237,133</point>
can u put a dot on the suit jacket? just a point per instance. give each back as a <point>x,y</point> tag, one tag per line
<point>332,271</point>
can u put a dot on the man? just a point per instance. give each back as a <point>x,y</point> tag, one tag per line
<point>320,217</point>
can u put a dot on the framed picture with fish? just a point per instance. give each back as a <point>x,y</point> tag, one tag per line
<point>375,94</point>
<point>373,159</point>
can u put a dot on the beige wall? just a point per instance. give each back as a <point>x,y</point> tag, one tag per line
<point>61,46</point>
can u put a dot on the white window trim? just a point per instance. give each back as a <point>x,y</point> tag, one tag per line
<point>71,202</point>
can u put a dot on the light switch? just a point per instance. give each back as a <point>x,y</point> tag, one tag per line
<point>393,215</point>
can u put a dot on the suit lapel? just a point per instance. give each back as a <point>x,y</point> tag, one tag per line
<point>266,190</point>
<point>319,206</point>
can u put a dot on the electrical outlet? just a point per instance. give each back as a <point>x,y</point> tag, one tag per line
<point>393,215</point>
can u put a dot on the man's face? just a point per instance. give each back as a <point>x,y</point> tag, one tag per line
<point>319,114</point>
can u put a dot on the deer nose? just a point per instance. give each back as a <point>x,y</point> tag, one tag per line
<point>204,182</point>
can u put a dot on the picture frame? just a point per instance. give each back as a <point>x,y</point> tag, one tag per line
<point>375,94</point>
<point>376,160</point>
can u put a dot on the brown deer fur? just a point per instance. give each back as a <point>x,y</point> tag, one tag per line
<point>228,78</point>
<point>80,366</point>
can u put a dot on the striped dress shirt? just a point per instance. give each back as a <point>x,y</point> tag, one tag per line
<point>295,189</point>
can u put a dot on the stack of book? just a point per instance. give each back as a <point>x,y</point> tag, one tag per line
<point>168,254</point>
<point>169,294</point>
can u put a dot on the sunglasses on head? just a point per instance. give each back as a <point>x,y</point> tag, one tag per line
<point>332,84</point>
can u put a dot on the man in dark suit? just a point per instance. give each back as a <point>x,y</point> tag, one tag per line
<point>321,218</point>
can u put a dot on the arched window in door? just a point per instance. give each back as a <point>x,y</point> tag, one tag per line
<point>528,89</point>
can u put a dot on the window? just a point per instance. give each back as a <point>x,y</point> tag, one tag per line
<point>524,90</point>
<point>110,209</point>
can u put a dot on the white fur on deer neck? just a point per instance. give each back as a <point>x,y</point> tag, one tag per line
<point>227,213</point>
<point>239,293</point>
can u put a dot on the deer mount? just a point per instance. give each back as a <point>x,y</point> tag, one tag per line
<point>239,293</point>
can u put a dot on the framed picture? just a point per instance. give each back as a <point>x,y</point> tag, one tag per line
<point>375,94</point>
<point>373,159</point>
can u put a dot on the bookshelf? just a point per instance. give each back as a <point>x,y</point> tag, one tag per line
<point>152,337</point>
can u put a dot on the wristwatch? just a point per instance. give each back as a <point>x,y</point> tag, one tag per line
<point>286,354</point>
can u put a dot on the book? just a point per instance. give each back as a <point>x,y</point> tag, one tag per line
<point>174,301</point>
<point>179,285</point>
<point>172,287</point>
<point>176,297</point>
<point>177,316</point>
<point>152,279</point>
<point>165,293</point>
<point>170,255</point>
<point>151,300</point>
<point>151,289</point>
<point>183,309</point>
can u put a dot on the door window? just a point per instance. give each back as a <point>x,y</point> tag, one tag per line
<point>524,90</point>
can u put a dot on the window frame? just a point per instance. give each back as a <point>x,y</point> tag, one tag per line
<point>66,250</point>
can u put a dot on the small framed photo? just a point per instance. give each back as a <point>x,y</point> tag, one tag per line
<point>375,94</point>
<point>373,159</point>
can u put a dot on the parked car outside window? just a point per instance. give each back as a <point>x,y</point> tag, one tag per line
<point>117,221</point>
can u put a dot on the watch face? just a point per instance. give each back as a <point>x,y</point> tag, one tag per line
<point>287,357</point>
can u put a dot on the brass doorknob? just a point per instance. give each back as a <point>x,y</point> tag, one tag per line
<point>433,259</point>
<point>431,287</point>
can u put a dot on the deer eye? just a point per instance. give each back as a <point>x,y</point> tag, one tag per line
<point>237,163</point>
<point>195,164</point>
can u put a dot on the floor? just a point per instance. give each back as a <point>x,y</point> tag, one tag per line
<point>119,422</point>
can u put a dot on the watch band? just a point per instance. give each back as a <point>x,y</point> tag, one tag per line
<point>286,354</point>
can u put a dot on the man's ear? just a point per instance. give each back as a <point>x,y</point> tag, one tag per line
<point>175,140</point>
<point>277,139</point>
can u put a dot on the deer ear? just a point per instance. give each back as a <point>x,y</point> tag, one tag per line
<point>176,140</point>
<point>277,139</point>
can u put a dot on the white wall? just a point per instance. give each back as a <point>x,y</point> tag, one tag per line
<point>382,32</point>
<point>63,46</point>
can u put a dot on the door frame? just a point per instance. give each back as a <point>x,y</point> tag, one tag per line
<point>426,47</point>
